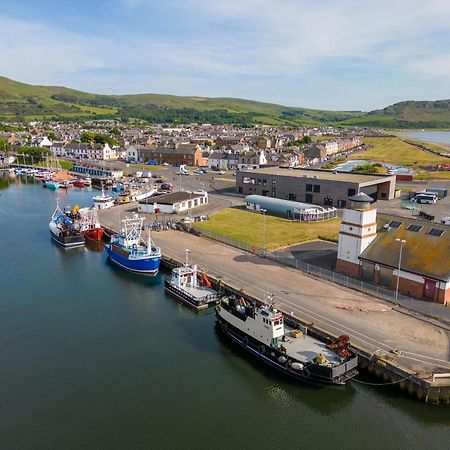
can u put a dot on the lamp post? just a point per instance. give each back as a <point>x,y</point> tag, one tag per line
<point>402,242</point>
<point>263,212</point>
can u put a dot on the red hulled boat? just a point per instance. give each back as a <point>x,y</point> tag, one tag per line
<point>90,225</point>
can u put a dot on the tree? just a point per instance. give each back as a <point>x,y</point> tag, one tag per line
<point>5,146</point>
<point>306,140</point>
<point>37,152</point>
<point>52,136</point>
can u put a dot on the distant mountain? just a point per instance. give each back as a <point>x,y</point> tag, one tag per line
<point>24,101</point>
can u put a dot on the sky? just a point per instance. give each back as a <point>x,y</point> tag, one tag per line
<point>327,54</point>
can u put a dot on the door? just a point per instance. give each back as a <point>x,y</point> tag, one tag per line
<point>429,289</point>
<point>308,198</point>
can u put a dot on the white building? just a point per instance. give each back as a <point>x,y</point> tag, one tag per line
<point>173,203</point>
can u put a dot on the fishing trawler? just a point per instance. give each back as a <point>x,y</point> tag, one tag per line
<point>64,231</point>
<point>128,251</point>
<point>190,288</point>
<point>262,331</point>
<point>90,225</point>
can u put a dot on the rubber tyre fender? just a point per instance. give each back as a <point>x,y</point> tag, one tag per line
<point>306,372</point>
<point>245,341</point>
<point>223,327</point>
<point>261,349</point>
<point>288,363</point>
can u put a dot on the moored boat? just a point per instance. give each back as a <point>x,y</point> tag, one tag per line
<point>52,185</point>
<point>190,288</point>
<point>262,332</point>
<point>64,231</point>
<point>103,201</point>
<point>79,183</point>
<point>128,251</point>
<point>90,225</point>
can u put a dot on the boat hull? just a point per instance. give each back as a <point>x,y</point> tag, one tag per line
<point>94,234</point>
<point>187,299</point>
<point>68,241</point>
<point>312,373</point>
<point>145,266</point>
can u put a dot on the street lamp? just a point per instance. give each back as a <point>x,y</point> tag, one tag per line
<point>263,212</point>
<point>402,242</point>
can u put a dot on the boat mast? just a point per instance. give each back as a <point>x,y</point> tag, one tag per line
<point>186,264</point>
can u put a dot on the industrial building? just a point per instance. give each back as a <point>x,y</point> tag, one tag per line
<point>288,209</point>
<point>173,203</point>
<point>314,186</point>
<point>410,253</point>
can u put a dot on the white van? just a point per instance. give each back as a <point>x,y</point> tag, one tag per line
<point>445,220</point>
<point>425,198</point>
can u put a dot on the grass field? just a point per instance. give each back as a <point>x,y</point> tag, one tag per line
<point>394,150</point>
<point>423,175</point>
<point>248,227</point>
<point>148,167</point>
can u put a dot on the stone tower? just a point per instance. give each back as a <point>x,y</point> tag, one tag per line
<point>358,230</point>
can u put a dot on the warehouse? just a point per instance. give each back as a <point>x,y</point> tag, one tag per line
<point>288,209</point>
<point>313,186</point>
<point>173,203</point>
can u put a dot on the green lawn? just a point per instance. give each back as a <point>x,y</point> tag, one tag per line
<point>248,227</point>
<point>394,150</point>
<point>423,175</point>
<point>147,167</point>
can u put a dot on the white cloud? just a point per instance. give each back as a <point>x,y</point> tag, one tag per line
<point>435,66</point>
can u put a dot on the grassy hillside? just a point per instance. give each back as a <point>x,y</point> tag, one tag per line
<point>24,101</point>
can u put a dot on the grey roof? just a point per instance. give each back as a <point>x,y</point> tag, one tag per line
<point>170,199</point>
<point>361,197</point>
<point>267,202</point>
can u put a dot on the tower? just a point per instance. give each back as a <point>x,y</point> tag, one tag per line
<point>358,230</point>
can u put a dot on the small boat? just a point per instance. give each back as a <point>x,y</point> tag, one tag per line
<point>128,251</point>
<point>52,185</point>
<point>88,181</point>
<point>64,231</point>
<point>262,332</point>
<point>103,201</point>
<point>79,183</point>
<point>190,288</point>
<point>118,188</point>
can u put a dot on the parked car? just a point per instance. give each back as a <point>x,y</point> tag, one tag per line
<point>425,198</point>
<point>445,220</point>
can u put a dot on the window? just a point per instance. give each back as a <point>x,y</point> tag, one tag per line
<point>317,188</point>
<point>351,192</point>
<point>341,203</point>
<point>328,201</point>
<point>308,198</point>
<point>435,232</point>
<point>415,228</point>
<point>395,224</point>
<point>292,197</point>
<point>309,188</point>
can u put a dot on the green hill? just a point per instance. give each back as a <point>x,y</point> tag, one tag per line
<point>24,101</point>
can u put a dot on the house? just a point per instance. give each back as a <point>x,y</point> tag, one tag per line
<point>316,152</point>
<point>218,160</point>
<point>227,141</point>
<point>58,148</point>
<point>419,248</point>
<point>90,151</point>
<point>252,160</point>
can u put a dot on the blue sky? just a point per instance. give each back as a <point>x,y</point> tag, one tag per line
<point>342,55</point>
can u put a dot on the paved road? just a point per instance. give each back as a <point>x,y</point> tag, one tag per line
<point>372,324</point>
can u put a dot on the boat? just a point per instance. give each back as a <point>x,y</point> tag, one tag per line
<point>263,332</point>
<point>103,201</point>
<point>187,286</point>
<point>64,231</point>
<point>88,181</point>
<point>79,183</point>
<point>128,251</point>
<point>90,225</point>
<point>118,188</point>
<point>52,185</point>
<point>142,194</point>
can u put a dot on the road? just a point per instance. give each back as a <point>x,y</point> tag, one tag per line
<point>372,324</point>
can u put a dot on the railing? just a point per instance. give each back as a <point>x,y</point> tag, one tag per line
<point>335,277</point>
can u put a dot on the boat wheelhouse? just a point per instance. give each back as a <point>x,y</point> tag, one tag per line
<point>129,252</point>
<point>192,289</point>
<point>262,331</point>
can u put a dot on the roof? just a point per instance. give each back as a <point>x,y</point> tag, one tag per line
<point>267,202</point>
<point>361,197</point>
<point>321,175</point>
<point>170,199</point>
<point>423,254</point>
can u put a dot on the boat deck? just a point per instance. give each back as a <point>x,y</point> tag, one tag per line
<point>306,348</point>
<point>200,292</point>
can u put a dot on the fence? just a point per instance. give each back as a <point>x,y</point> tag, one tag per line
<point>335,277</point>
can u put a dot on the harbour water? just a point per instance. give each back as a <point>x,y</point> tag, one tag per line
<point>95,358</point>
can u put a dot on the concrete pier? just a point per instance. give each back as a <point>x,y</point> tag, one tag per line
<point>399,349</point>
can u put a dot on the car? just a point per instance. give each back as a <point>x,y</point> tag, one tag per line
<point>165,164</point>
<point>221,172</point>
<point>425,198</point>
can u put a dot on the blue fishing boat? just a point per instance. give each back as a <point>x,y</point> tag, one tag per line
<point>130,253</point>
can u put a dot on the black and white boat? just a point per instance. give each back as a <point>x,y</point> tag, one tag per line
<point>187,286</point>
<point>262,332</point>
<point>64,231</point>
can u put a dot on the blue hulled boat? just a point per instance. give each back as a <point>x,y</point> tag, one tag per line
<point>128,251</point>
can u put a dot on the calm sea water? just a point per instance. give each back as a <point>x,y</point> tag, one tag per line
<point>438,137</point>
<point>94,358</point>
